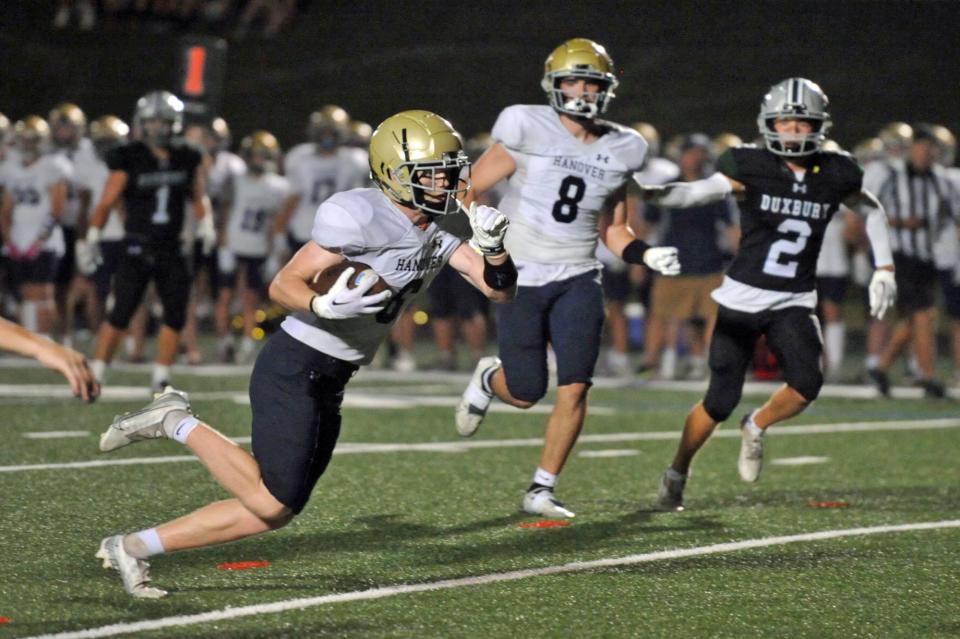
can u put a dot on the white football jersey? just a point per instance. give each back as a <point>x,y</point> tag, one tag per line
<point>946,246</point>
<point>30,188</point>
<point>256,201</point>
<point>226,167</point>
<point>83,154</point>
<point>363,225</point>
<point>833,260</point>
<point>92,176</point>
<point>558,189</point>
<point>315,177</point>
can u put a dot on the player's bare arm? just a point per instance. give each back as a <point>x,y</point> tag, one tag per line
<point>116,183</point>
<point>6,215</point>
<point>494,165</point>
<point>289,287</point>
<point>472,266</point>
<point>58,198</point>
<point>616,234</point>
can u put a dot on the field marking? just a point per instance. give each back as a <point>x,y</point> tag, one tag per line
<point>609,452</point>
<point>56,434</point>
<point>799,461</point>
<point>348,448</point>
<point>491,578</point>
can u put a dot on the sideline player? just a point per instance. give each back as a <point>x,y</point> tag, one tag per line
<point>788,191</point>
<point>568,171</point>
<point>156,175</point>
<point>254,198</point>
<point>417,161</point>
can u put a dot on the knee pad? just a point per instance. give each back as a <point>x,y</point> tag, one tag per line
<point>808,383</point>
<point>528,387</point>
<point>721,398</point>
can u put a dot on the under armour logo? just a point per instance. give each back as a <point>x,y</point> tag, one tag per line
<point>603,158</point>
<point>437,243</point>
<point>799,188</point>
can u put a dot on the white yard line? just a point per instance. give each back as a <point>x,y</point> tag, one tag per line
<point>57,434</point>
<point>609,452</point>
<point>459,446</point>
<point>799,461</point>
<point>491,578</point>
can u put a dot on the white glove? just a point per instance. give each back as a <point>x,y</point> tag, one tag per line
<point>226,261</point>
<point>882,292</point>
<point>207,233</point>
<point>90,253</point>
<point>489,226</point>
<point>85,259</point>
<point>662,259</point>
<point>341,302</point>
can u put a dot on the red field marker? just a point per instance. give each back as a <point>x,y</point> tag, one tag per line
<point>4,620</point>
<point>546,523</point>
<point>828,504</point>
<point>243,565</point>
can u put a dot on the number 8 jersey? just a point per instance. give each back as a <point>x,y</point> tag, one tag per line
<point>559,187</point>
<point>784,216</point>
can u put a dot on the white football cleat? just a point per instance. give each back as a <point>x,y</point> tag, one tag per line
<point>542,501</point>
<point>134,572</point>
<point>146,423</point>
<point>670,494</point>
<point>751,452</point>
<point>475,401</point>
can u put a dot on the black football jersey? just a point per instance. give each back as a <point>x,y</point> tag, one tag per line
<point>156,193</point>
<point>783,219</point>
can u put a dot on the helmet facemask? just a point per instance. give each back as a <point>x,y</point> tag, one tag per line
<point>579,107</point>
<point>419,177</point>
<point>154,108</point>
<point>794,98</point>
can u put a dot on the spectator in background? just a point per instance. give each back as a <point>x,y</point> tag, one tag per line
<point>276,15</point>
<point>918,196</point>
<point>697,232</point>
<point>83,9</point>
<point>946,248</point>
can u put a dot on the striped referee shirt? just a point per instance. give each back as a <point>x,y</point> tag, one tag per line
<point>928,196</point>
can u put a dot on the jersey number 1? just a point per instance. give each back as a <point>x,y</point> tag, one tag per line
<point>160,215</point>
<point>565,209</point>
<point>773,265</point>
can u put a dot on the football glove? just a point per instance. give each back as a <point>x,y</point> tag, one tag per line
<point>92,256</point>
<point>662,259</point>
<point>882,292</point>
<point>489,226</point>
<point>341,301</point>
<point>207,233</point>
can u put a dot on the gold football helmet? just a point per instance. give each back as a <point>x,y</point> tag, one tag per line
<point>68,124</point>
<point>4,129</point>
<point>869,150</point>
<point>360,133</point>
<point>723,141</point>
<point>579,58</point>
<point>650,134</point>
<point>946,144</point>
<point>413,145</point>
<point>31,135</point>
<point>107,132</point>
<point>261,151</point>
<point>329,127</point>
<point>896,137</point>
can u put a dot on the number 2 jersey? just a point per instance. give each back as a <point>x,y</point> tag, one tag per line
<point>558,189</point>
<point>783,218</point>
<point>156,194</point>
<point>364,226</point>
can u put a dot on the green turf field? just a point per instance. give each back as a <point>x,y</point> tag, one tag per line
<point>383,520</point>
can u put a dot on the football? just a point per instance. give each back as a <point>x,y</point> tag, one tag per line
<point>326,278</point>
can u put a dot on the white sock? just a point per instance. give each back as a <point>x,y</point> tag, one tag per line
<point>544,478</point>
<point>28,315</point>
<point>161,373</point>
<point>247,345</point>
<point>752,425</point>
<point>99,369</point>
<point>616,359</point>
<point>871,362</point>
<point>674,475</point>
<point>143,544</point>
<point>835,334</point>
<point>178,424</point>
<point>668,363</point>
<point>129,344</point>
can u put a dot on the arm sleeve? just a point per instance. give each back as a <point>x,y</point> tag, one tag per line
<point>337,231</point>
<point>116,159</point>
<point>681,195</point>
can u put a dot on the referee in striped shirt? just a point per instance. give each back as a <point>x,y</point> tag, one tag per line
<point>920,201</point>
